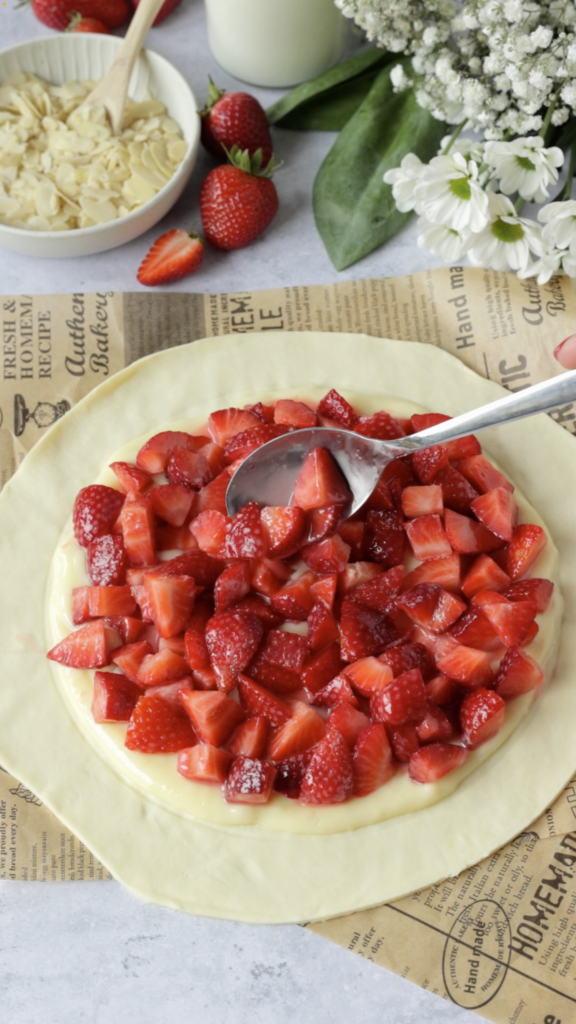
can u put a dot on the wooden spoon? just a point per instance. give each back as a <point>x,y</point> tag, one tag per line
<point>112,90</point>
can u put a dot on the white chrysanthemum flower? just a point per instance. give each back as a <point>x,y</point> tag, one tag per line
<point>404,180</point>
<point>470,147</point>
<point>448,192</point>
<point>442,241</point>
<point>524,166</point>
<point>559,231</point>
<point>507,241</point>
<point>559,261</point>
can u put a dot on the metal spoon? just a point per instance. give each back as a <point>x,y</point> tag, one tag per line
<point>267,476</point>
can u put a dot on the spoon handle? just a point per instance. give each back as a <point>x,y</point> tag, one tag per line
<point>538,398</point>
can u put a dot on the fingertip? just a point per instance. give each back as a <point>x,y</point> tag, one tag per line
<point>565,352</point>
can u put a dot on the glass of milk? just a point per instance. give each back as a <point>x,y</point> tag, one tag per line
<point>275,42</point>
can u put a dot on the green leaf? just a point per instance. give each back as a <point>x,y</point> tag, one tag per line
<point>355,211</point>
<point>332,110</point>
<point>322,84</point>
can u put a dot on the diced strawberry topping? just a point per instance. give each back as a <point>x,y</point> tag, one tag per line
<point>301,732</point>
<point>423,420</point>
<point>204,763</point>
<point>352,578</point>
<point>441,690</point>
<point>469,667</point>
<point>294,600</point>
<point>130,628</point>
<point>483,475</point>
<point>422,501</point>
<point>352,533</point>
<point>80,605</point>
<point>404,742</point>
<point>249,781</point>
<point>250,738</point>
<point>203,569</point>
<point>380,591</point>
<point>381,426</point>
<point>420,602</point>
<point>511,620</point>
<point>337,691</point>
<point>385,541</point>
<point>284,528</point>
<point>484,574</point>
<point>320,668</point>
<point>401,659</point>
<point>294,414</point>
<point>435,725</point>
<point>257,701</point>
<point>232,585</point>
<point>323,522</point>
<point>212,497</point>
<point>137,522</point>
<point>213,714</point>
<point>448,609</point>
<point>162,667</point>
<point>158,726</point>
<point>290,774</point>
<point>402,702</point>
<point>468,537</point>
<point>131,480</point>
<point>259,607</point>
<point>320,482</point>
<point>528,541</point>
<point>209,529</point>
<point>334,407</point>
<point>474,629</point>
<point>373,764</point>
<point>481,715</point>
<point>348,721</point>
<point>172,502</point>
<point>114,697</point>
<point>539,591</point>
<point>518,673</point>
<point>245,537</point>
<point>279,663</point>
<point>130,657</point>
<point>104,601</point>
<point>90,646</point>
<point>95,511</point>
<point>457,492</point>
<point>427,538</point>
<point>369,675</point>
<point>327,556</point>
<point>171,599</point>
<point>498,511</point>
<point>247,441</point>
<point>106,560</point>
<point>364,631</point>
<point>446,572</point>
<point>464,447</point>
<point>322,627</point>
<point>226,422</point>
<point>329,777</point>
<point>188,468</point>
<point>432,762</point>
<point>427,462</point>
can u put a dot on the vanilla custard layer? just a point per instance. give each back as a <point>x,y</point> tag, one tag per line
<point>155,775</point>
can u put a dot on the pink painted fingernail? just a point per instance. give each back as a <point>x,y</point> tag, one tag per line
<point>565,352</point>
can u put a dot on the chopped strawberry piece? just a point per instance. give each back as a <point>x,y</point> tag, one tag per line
<point>131,480</point>
<point>483,475</point>
<point>539,591</point>
<point>354,576</point>
<point>95,511</point>
<point>294,414</point>
<point>157,726</point>
<point>447,611</point>
<point>203,569</point>
<point>204,763</point>
<point>432,762</point>
<point>498,511</point>
<point>446,572</point>
<point>423,420</point>
<point>267,575</point>
<point>249,781</point>
<point>322,627</point>
<point>364,631</point>
<point>511,620</point>
<point>90,646</point>
<point>348,721</point>
<point>406,656</point>
<point>474,629</point>
<point>320,482</point>
<point>484,574</point>
<point>80,605</point>
<point>420,602</point>
<point>202,612</point>
<point>154,455</point>
<point>352,533</point>
<point>171,599</point>
<point>468,537</point>
<point>232,585</point>
<point>381,426</point>
<point>301,732</point>
<point>226,422</point>
<point>106,560</point>
<point>435,725</point>
<point>188,468</point>
<point>323,522</point>
<point>380,591</point>
<point>129,628</point>
<point>334,407</point>
<point>175,538</point>
<point>337,691</point>
<point>404,742</point>
<point>280,661</point>
<point>259,607</point>
<point>137,521</point>
<point>402,702</point>
<point>209,529</point>
<point>162,667</point>
<point>329,777</point>
<point>427,538</point>
<point>386,496</point>
<point>265,413</point>
<point>214,456</point>
<point>257,701</point>
<point>232,639</point>
<point>469,667</point>
<point>427,462</point>
<point>373,764</point>
<point>290,774</point>
<point>422,501</point>
<point>327,556</point>
<point>528,542</point>
<point>250,738</point>
<point>204,679</point>
<point>457,491</point>
<point>245,537</point>
<point>320,668</point>
<point>130,657</point>
<point>441,690</point>
<point>103,601</point>
<point>172,503</point>
<point>294,600</point>
<point>464,447</point>
<point>177,644</point>
<point>196,651</point>
<point>212,497</point>
<point>114,697</point>
<point>247,441</point>
<point>385,538</point>
<point>481,715</point>
<point>284,528</point>
<point>518,673</point>
<point>368,675</point>
<point>213,714</point>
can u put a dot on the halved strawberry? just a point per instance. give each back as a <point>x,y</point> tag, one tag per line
<point>212,497</point>
<point>114,697</point>
<point>322,627</point>
<point>320,668</point>
<point>511,620</point>
<point>528,542</point>
<point>385,538</point>
<point>481,715</point>
<point>327,556</point>
<point>457,491</point>
<point>484,574</point>
<point>320,482</point>
<point>498,511</point>
<point>294,600</point>
<point>209,529</point>
<point>474,629</point>
<point>290,774</point>
<point>249,781</point>
<point>380,591</point>
<point>427,462</point>
<point>518,673</point>
<point>247,441</point>
<point>368,675</point>
<point>404,741</point>
<point>245,537</point>
<point>372,760</point>
<point>162,667</point>
<point>539,591</point>
<point>352,533</point>
<point>171,599</point>
<point>334,407</point>
<point>381,426</point>
<point>173,255</point>
<point>446,572</point>
<point>422,501</point>
<point>95,511</point>
<point>258,701</point>
<point>402,702</point>
<point>471,668</point>
<point>483,475</point>
<point>435,725</point>
<point>232,639</point>
<point>224,423</point>
<point>323,522</point>
<point>158,726</point>
<point>172,503</point>
<point>364,631</point>
<point>468,537</point>
<point>130,657</point>
<point>355,575</point>
<point>329,777</point>
<point>231,585</point>
<point>204,763</point>
<point>284,528</point>
<point>131,480</point>
<point>137,521</point>
<point>154,454</point>
<point>432,762</point>
<point>90,646</point>
<point>427,538</point>
<point>301,732</point>
<point>294,414</point>
<point>130,628</point>
<point>250,738</point>
<point>280,661</point>
<point>406,656</point>
<point>337,691</point>
<point>213,714</point>
<point>106,560</point>
<point>104,601</point>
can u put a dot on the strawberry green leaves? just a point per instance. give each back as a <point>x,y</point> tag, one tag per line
<point>354,209</point>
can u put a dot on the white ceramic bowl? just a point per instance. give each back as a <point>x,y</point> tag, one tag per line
<point>73,56</point>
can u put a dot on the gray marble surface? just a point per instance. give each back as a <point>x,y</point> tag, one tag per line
<point>82,952</point>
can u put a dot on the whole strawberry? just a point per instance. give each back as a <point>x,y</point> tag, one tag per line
<point>238,201</point>
<point>57,13</point>
<point>234,119</point>
<point>172,256</point>
<point>80,24</point>
<point>167,7</point>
